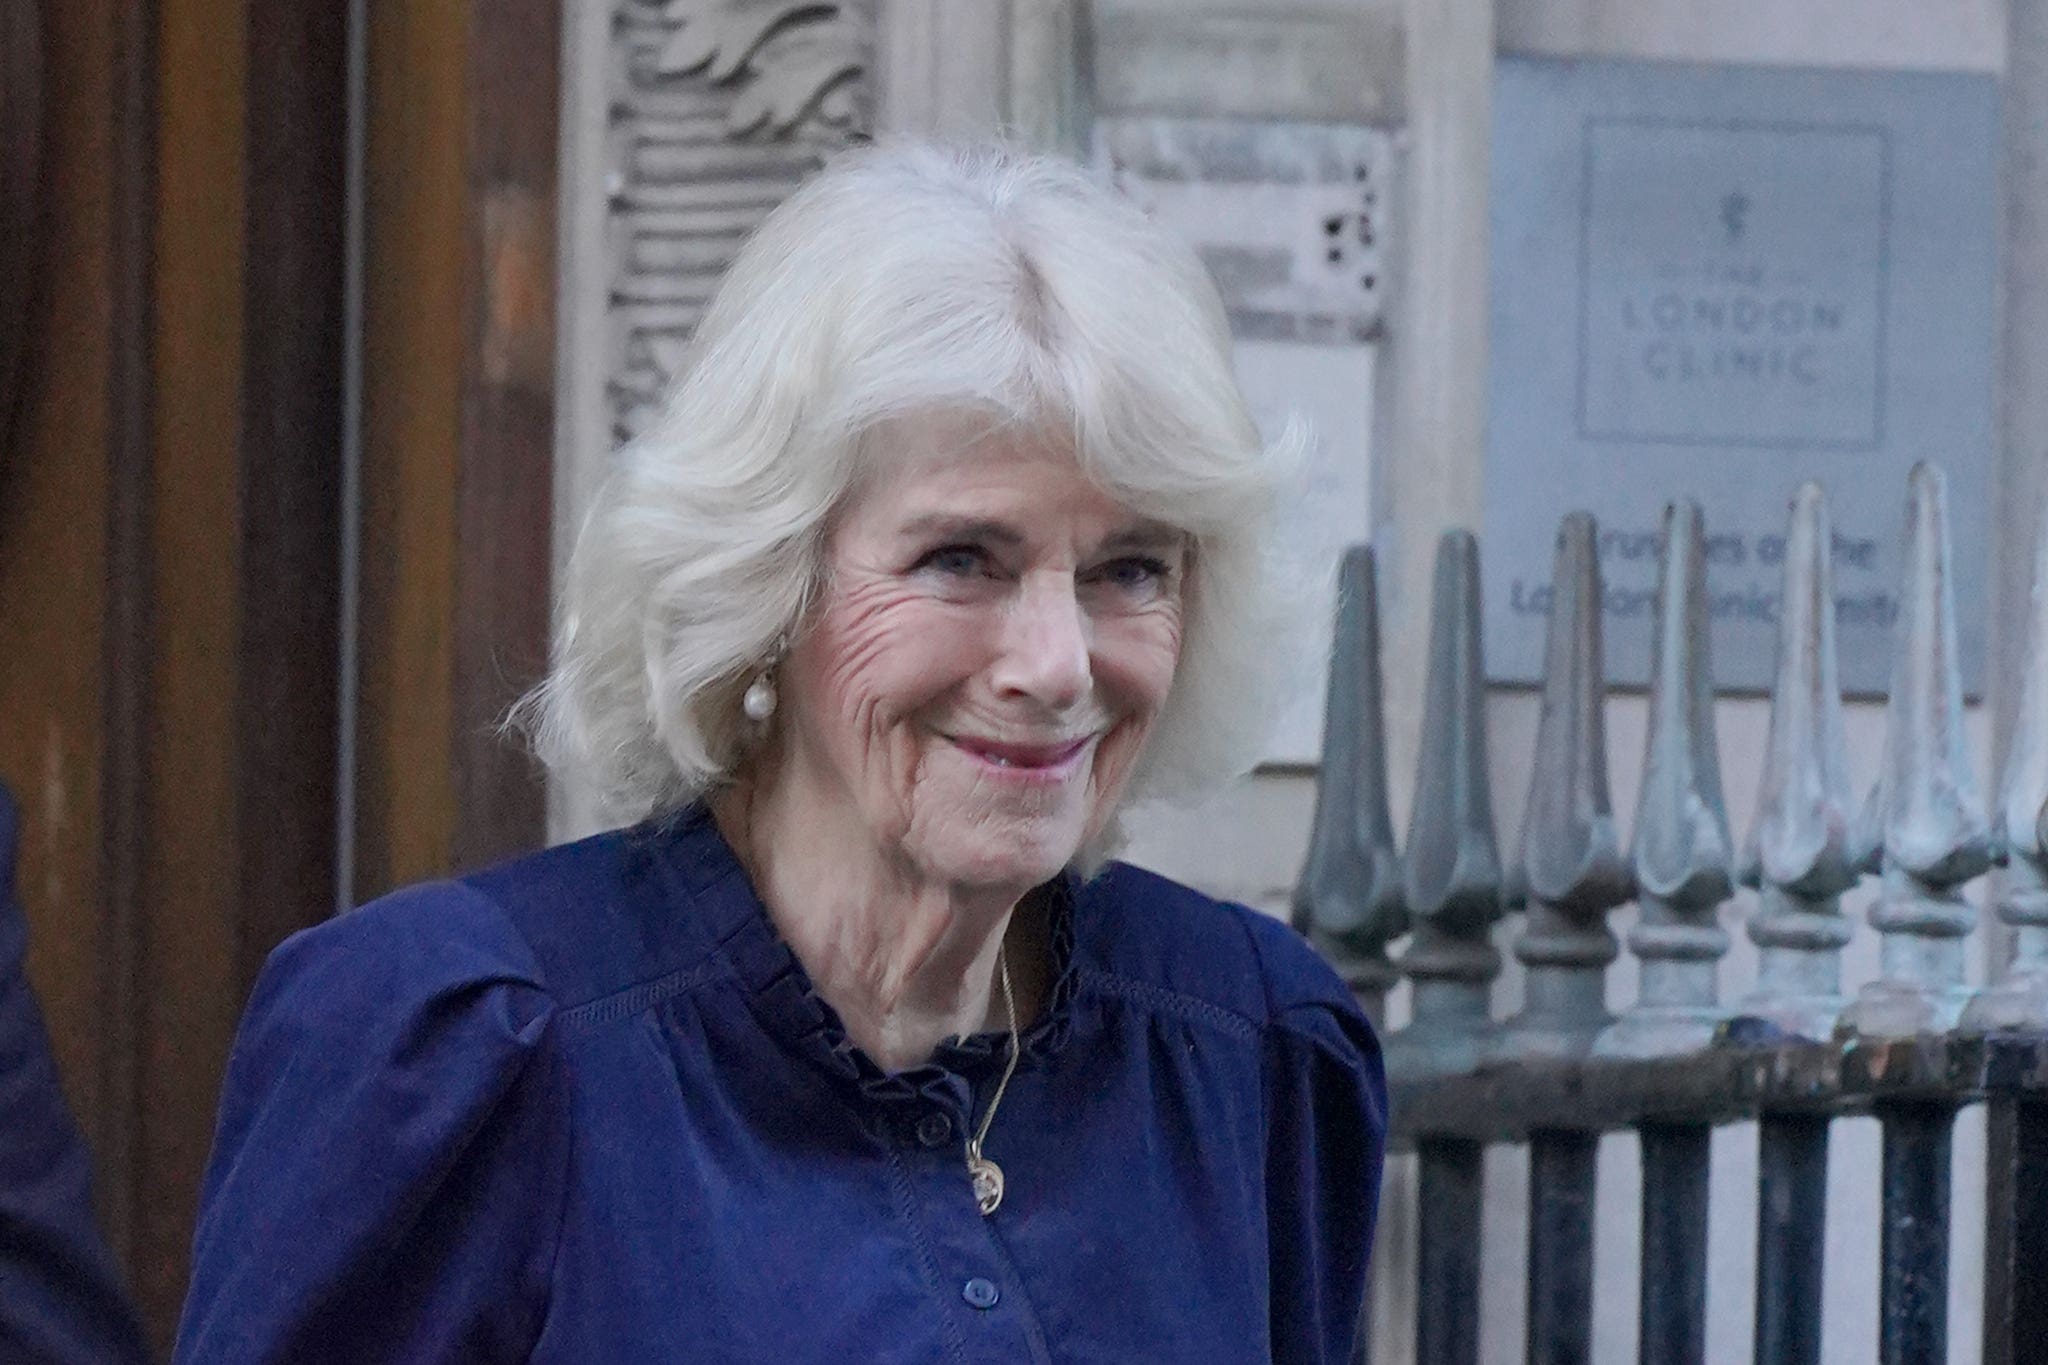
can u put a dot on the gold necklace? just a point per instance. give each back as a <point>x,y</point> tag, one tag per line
<point>984,1175</point>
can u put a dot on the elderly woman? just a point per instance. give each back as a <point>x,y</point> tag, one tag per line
<point>952,539</point>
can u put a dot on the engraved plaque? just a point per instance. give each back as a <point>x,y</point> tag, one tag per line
<point>1719,282</point>
<point>1733,284</point>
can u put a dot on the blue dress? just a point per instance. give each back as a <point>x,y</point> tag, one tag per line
<point>61,1300</point>
<point>586,1108</point>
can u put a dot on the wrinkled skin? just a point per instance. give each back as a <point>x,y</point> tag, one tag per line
<point>994,639</point>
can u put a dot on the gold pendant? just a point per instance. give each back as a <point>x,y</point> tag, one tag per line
<point>987,1179</point>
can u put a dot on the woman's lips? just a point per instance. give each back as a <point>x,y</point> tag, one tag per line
<point>1041,761</point>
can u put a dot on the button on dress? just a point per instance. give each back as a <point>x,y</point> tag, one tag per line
<point>586,1107</point>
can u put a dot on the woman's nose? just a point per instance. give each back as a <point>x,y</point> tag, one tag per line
<point>1044,650</point>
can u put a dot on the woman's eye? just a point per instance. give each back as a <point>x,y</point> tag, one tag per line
<point>954,561</point>
<point>1135,572</point>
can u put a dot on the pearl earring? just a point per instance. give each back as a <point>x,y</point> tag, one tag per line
<point>759,702</point>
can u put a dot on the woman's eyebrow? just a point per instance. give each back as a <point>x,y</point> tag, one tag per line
<point>1145,535</point>
<point>948,525</point>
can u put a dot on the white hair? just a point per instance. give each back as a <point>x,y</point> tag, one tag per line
<point>904,281</point>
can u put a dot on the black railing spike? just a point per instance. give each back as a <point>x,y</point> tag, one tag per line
<point>1799,852</point>
<point>1451,860</point>
<point>1682,854</point>
<point>1934,834</point>
<point>1348,900</point>
<point>1573,871</point>
<point>2018,999</point>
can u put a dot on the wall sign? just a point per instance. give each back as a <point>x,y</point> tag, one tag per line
<point>1289,218</point>
<point>1720,282</point>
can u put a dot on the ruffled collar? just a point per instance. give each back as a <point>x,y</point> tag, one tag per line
<point>783,997</point>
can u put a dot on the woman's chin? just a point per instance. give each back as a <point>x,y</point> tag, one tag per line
<point>1016,856</point>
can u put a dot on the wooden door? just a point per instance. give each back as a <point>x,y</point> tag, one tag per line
<point>181,532</point>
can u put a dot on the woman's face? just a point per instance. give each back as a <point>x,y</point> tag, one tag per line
<point>995,637</point>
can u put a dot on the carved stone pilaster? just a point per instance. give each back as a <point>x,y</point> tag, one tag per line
<point>718,108</point>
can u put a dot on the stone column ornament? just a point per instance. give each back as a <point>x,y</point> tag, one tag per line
<point>718,109</point>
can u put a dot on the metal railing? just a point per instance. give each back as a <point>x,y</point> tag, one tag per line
<point>1795,1052</point>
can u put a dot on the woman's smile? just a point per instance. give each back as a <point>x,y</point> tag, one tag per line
<point>1040,764</point>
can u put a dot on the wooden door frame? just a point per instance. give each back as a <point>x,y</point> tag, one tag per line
<point>21,192</point>
<point>179,504</point>
<point>462,125</point>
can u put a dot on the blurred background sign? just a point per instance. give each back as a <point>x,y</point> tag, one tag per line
<point>1723,281</point>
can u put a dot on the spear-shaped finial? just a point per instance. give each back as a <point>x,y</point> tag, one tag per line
<point>1348,900</point>
<point>1683,855</point>
<point>1934,835</point>
<point>1572,869</point>
<point>1452,861</point>
<point>1799,854</point>
<point>2019,998</point>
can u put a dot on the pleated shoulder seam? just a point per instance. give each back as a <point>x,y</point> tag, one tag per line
<point>634,1000</point>
<point>1169,1001</point>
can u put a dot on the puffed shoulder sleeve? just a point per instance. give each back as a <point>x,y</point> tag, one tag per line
<point>1326,1107</point>
<point>389,1168</point>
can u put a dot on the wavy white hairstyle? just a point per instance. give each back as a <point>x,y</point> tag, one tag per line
<point>905,281</point>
